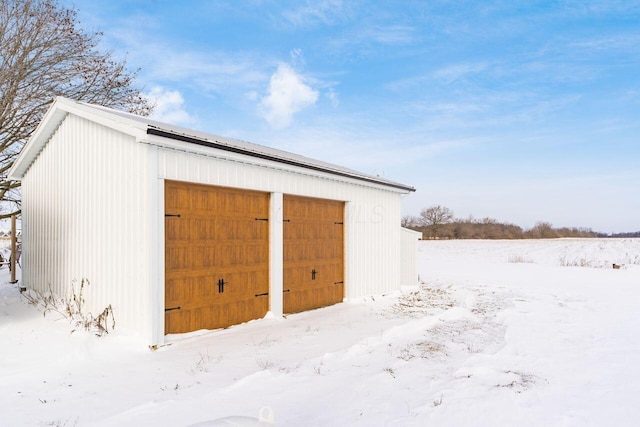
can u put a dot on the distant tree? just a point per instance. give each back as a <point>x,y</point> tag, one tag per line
<point>434,217</point>
<point>459,229</point>
<point>43,54</point>
<point>512,231</point>
<point>409,222</point>
<point>490,228</point>
<point>618,235</point>
<point>438,222</point>
<point>542,230</point>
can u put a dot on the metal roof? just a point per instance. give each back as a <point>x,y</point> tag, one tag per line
<point>139,126</point>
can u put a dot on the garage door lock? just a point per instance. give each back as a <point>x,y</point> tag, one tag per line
<point>221,284</point>
<point>313,274</point>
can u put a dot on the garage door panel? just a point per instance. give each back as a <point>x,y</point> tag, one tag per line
<point>316,274</point>
<point>335,231</point>
<point>313,253</point>
<point>228,255</point>
<point>294,230</point>
<point>189,291</point>
<point>203,200</point>
<point>176,229</point>
<point>296,251</point>
<point>216,237</point>
<point>176,320</point>
<point>184,257</point>
<point>175,258</point>
<point>178,197</point>
<point>209,308</point>
<point>312,297</point>
<point>227,229</point>
<point>200,229</point>
<point>254,255</point>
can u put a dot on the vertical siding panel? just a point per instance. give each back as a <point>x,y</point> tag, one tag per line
<point>26,256</point>
<point>409,266</point>
<point>83,210</point>
<point>58,220</point>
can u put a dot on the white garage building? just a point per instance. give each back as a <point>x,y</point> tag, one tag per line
<point>180,230</point>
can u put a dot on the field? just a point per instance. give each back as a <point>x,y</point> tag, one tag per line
<point>499,333</point>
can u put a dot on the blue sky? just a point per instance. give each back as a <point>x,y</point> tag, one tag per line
<point>522,111</point>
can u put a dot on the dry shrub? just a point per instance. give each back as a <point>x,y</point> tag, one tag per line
<point>73,308</point>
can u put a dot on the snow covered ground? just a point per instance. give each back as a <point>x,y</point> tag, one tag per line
<point>501,333</point>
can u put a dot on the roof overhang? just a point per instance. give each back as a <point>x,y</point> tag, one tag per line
<point>219,145</point>
<point>147,131</point>
<point>52,119</point>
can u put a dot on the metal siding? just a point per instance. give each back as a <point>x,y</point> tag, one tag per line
<point>276,254</point>
<point>86,216</point>
<point>92,209</point>
<point>409,259</point>
<point>155,196</point>
<point>372,238</point>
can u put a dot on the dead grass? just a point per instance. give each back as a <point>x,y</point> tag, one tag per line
<point>519,259</point>
<point>73,308</point>
<point>426,300</point>
<point>576,262</point>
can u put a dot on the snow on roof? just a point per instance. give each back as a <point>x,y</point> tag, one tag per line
<point>140,126</point>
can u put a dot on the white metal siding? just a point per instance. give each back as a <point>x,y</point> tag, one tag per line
<point>372,222</point>
<point>86,203</point>
<point>93,207</point>
<point>409,259</point>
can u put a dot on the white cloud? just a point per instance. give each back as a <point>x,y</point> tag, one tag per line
<point>395,35</point>
<point>318,12</point>
<point>169,106</point>
<point>451,73</point>
<point>333,97</point>
<point>287,95</point>
<point>297,58</point>
<point>252,95</point>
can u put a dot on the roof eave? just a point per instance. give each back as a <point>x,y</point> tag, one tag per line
<point>54,116</point>
<point>141,130</point>
<point>49,123</point>
<point>265,156</point>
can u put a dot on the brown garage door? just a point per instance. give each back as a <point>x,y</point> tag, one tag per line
<point>313,253</point>
<point>216,256</point>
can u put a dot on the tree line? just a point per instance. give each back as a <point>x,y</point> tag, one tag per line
<point>438,222</point>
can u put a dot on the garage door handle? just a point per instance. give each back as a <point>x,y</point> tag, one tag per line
<point>286,290</point>
<point>176,215</point>
<point>262,295</point>
<point>172,308</point>
<point>221,284</point>
<point>338,283</point>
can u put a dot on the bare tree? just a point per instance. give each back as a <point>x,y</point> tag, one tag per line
<point>434,217</point>
<point>543,230</point>
<point>43,54</point>
<point>409,222</point>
